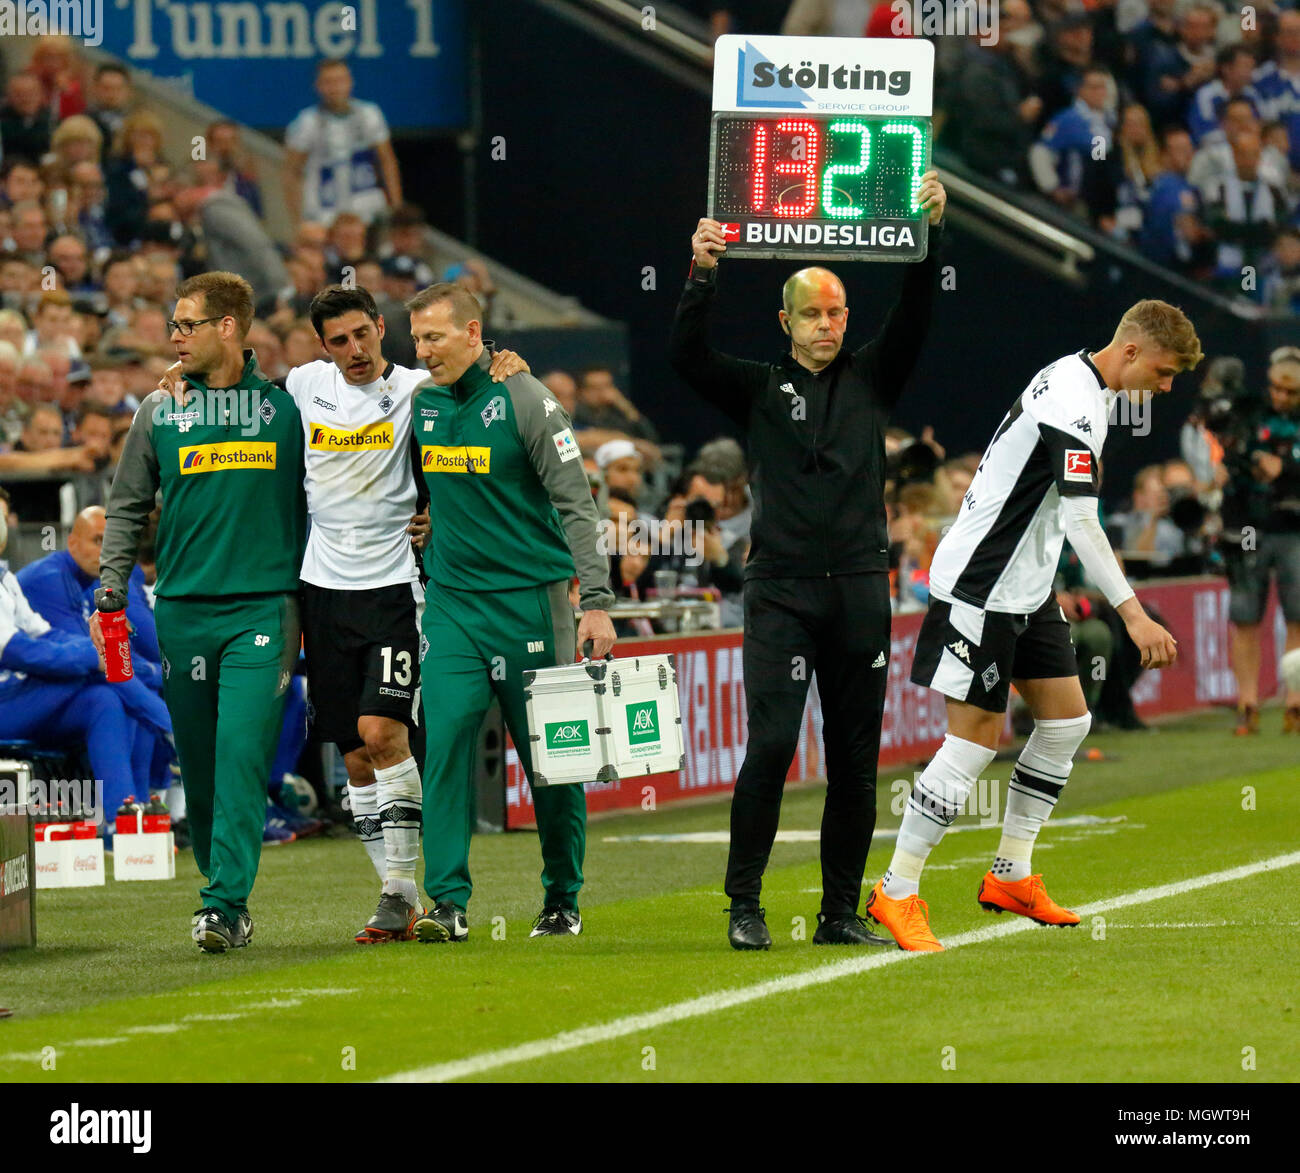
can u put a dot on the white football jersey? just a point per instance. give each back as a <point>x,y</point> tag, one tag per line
<point>342,172</point>
<point>1002,551</point>
<point>360,487</point>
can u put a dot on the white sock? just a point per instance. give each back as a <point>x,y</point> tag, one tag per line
<point>401,802</point>
<point>364,801</point>
<point>1042,769</point>
<point>936,799</point>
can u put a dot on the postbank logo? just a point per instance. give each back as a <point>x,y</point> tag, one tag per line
<point>442,458</point>
<point>376,435</point>
<point>221,457</point>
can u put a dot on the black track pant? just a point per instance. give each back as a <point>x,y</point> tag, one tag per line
<point>837,627</point>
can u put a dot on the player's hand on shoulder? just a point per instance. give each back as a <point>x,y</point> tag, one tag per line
<point>707,241</point>
<point>506,363</point>
<point>172,381</point>
<point>931,196</point>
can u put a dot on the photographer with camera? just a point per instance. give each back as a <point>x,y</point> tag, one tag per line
<point>1260,541</point>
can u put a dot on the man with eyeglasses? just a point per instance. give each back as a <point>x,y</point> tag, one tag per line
<point>227,453</point>
<point>1261,531</point>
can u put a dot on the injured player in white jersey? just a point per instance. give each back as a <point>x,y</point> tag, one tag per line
<point>993,620</point>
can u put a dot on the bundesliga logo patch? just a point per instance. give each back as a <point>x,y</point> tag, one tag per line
<point>1078,465</point>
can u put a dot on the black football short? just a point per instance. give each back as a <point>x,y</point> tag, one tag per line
<point>972,655</point>
<point>363,658</point>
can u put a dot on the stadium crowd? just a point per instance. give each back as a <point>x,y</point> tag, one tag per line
<point>98,225</point>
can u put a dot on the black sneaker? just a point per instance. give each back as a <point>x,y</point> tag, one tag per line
<point>846,929</point>
<point>442,924</point>
<point>214,932</point>
<point>557,922</point>
<point>394,920</point>
<point>747,929</point>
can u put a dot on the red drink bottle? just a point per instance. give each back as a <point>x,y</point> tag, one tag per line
<point>117,638</point>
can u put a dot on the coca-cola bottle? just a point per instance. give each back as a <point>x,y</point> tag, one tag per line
<point>157,818</point>
<point>117,637</point>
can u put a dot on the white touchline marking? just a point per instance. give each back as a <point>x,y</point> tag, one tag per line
<point>572,1040</point>
<point>881,832</point>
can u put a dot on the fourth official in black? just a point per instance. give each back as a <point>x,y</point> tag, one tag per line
<point>817,581</point>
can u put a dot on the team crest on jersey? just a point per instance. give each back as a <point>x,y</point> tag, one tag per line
<point>424,646</point>
<point>1078,465</point>
<point>1083,425</point>
<point>990,677</point>
<point>960,649</point>
<point>266,411</point>
<point>385,405</point>
<point>167,668</point>
<point>495,410</point>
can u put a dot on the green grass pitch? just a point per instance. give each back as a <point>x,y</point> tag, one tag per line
<point>1191,986</point>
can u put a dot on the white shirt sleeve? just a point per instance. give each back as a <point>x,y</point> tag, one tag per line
<point>16,613</point>
<point>376,126</point>
<point>1083,529</point>
<point>300,133</point>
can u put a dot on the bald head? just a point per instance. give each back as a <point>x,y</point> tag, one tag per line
<point>87,539</point>
<point>806,283</point>
<point>814,313</point>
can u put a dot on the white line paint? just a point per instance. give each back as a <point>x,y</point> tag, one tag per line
<point>881,833</point>
<point>573,1040</point>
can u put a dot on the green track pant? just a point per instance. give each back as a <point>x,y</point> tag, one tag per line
<point>479,645</point>
<point>227,663</point>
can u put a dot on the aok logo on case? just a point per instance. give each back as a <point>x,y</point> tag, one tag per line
<point>221,457</point>
<point>376,435</point>
<point>438,458</point>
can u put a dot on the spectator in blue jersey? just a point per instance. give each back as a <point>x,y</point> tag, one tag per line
<point>1235,65</point>
<point>1154,38</point>
<point>1245,211</point>
<point>1277,81</point>
<point>339,156</point>
<point>53,692</point>
<point>1170,74</point>
<point>60,588</point>
<point>1074,138</point>
<point>1173,233</point>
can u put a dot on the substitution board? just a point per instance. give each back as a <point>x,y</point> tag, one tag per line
<point>818,145</point>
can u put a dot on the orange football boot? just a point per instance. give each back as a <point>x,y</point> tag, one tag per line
<point>908,920</point>
<point>1247,721</point>
<point>1025,897</point>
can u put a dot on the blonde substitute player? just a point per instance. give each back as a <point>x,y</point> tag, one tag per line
<point>360,591</point>
<point>993,620</point>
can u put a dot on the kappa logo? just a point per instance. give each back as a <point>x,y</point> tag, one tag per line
<point>788,388</point>
<point>879,661</point>
<point>1083,424</point>
<point>386,405</point>
<point>495,410</point>
<point>316,399</point>
<point>960,649</point>
<point>550,405</point>
<point>1078,465</point>
<point>990,677</point>
<point>266,411</point>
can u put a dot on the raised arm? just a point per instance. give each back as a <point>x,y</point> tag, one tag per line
<point>893,352</point>
<point>730,384</point>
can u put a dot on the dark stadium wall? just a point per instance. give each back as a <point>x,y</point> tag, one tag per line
<point>602,182</point>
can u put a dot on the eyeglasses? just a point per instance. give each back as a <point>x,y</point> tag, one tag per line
<point>187,328</point>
